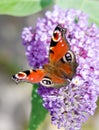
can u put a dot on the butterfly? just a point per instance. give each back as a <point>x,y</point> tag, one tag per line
<point>61,67</point>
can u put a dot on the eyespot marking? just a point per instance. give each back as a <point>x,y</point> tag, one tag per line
<point>56,36</point>
<point>68,57</point>
<point>47,82</point>
<point>21,75</point>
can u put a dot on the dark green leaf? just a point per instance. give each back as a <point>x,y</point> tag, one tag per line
<point>38,112</point>
<point>91,7</point>
<point>23,7</point>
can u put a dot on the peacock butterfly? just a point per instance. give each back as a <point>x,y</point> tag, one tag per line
<point>61,67</point>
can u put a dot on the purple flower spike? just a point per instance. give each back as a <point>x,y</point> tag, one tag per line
<point>36,50</point>
<point>27,35</point>
<point>69,106</point>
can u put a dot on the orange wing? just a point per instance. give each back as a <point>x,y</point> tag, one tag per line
<point>68,64</point>
<point>59,45</point>
<point>38,76</point>
<point>31,76</point>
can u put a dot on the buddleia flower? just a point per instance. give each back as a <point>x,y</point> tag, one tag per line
<point>69,106</point>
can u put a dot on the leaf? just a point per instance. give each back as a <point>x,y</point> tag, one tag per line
<point>38,112</point>
<point>91,7</point>
<point>22,7</point>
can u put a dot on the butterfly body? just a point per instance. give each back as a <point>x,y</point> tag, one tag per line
<point>61,67</point>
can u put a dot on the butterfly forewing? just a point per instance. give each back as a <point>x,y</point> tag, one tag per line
<point>32,76</point>
<point>59,45</point>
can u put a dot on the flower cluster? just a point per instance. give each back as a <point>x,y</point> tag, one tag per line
<point>70,105</point>
<point>36,50</point>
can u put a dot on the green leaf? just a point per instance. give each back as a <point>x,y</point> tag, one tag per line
<point>38,112</point>
<point>91,7</point>
<point>23,7</point>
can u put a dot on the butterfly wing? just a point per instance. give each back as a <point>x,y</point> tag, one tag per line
<point>68,64</point>
<point>31,76</point>
<point>54,77</point>
<point>59,45</point>
<point>34,76</point>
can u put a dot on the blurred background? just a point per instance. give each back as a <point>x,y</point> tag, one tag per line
<point>15,104</point>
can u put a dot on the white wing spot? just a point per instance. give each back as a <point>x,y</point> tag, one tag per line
<point>62,44</point>
<point>31,78</point>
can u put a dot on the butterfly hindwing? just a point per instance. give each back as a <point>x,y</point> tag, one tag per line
<point>68,64</point>
<point>57,76</point>
<point>54,81</point>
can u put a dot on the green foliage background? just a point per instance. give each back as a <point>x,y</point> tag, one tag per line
<point>28,7</point>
